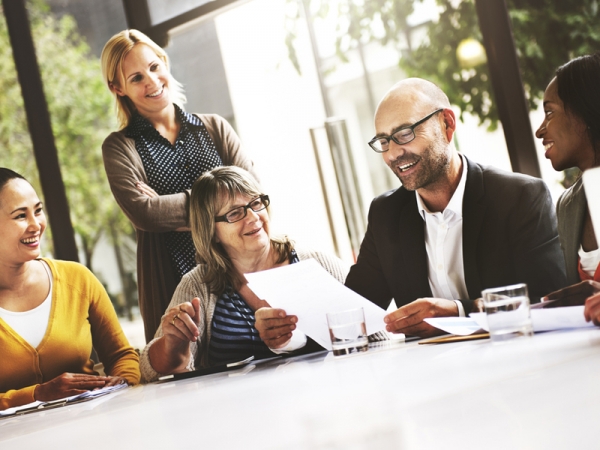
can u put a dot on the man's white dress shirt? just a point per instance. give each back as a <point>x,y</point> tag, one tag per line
<point>444,244</point>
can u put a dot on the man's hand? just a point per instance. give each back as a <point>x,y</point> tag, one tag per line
<point>408,319</point>
<point>573,295</point>
<point>274,326</point>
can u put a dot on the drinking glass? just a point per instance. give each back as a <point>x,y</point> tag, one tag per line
<point>507,312</point>
<point>348,332</point>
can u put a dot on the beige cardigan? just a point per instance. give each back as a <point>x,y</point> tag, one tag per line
<point>192,285</point>
<point>153,216</point>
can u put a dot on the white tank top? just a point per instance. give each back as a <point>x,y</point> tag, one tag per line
<point>589,260</point>
<point>31,325</point>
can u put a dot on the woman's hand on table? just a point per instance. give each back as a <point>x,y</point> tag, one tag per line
<point>585,293</point>
<point>180,322</point>
<point>69,384</point>
<point>591,312</point>
<point>574,295</point>
<point>274,326</point>
<point>113,381</point>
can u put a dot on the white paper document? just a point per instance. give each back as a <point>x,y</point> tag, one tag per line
<point>88,395</point>
<point>460,326</point>
<point>546,319</point>
<point>549,319</point>
<point>308,291</point>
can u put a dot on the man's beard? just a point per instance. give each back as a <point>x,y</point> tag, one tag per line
<point>431,166</point>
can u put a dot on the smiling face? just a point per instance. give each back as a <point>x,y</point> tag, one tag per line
<point>22,222</point>
<point>247,237</point>
<point>145,81</point>
<point>564,135</point>
<point>425,160</point>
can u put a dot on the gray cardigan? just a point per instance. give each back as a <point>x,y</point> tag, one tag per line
<point>192,285</point>
<point>570,211</point>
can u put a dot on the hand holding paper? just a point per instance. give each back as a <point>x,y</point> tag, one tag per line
<point>309,292</point>
<point>274,326</point>
<point>412,317</point>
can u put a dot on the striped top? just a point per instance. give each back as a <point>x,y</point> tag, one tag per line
<point>193,284</point>
<point>234,336</point>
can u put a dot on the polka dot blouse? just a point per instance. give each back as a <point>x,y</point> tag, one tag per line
<point>172,169</point>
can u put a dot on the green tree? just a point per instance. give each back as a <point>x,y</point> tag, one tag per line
<point>82,115</point>
<point>547,34</point>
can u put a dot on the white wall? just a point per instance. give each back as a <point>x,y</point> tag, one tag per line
<point>274,109</point>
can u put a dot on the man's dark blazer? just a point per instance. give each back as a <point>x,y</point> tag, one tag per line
<point>509,236</point>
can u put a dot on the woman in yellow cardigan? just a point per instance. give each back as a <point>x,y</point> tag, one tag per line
<point>51,312</point>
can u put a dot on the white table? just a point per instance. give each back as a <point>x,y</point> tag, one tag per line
<point>536,393</point>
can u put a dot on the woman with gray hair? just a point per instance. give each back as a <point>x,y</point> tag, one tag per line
<point>214,317</point>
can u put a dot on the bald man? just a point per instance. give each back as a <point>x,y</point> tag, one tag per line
<point>455,227</point>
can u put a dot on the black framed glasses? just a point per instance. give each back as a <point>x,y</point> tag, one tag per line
<point>403,136</point>
<point>238,213</point>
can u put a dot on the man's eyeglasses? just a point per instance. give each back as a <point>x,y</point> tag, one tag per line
<point>403,136</point>
<point>237,214</point>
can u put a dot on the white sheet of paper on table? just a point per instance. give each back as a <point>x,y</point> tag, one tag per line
<point>460,326</point>
<point>87,395</point>
<point>308,291</point>
<point>549,319</point>
<point>546,319</point>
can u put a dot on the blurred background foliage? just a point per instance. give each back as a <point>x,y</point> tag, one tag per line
<point>82,115</point>
<point>547,33</point>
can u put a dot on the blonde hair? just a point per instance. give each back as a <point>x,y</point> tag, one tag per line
<point>113,55</point>
<point>209,193</point>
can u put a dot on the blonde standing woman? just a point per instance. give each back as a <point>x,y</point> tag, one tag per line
<point>153,160</point>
